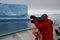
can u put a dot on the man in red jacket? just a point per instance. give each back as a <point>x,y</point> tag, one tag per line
<point>46,27</point>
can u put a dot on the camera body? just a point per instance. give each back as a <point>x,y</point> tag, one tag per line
<point>38,18</point>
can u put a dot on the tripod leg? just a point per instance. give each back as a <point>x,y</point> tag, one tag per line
<point>36,38</point>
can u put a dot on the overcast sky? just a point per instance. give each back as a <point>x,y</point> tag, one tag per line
<point>36,4</point>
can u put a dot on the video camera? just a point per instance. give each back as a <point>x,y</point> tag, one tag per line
<point>32,17</point>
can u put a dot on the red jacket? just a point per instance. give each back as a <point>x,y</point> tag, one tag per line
<point>46,29</point>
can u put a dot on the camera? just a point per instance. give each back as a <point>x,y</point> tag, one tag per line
<point>32,17</point>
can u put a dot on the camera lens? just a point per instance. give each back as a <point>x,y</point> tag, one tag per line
<point>32,17</point>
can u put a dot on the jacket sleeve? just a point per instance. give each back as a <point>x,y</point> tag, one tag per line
<point>42,25</point>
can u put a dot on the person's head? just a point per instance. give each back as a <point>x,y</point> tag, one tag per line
<point>44,16</point>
